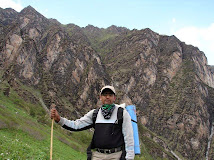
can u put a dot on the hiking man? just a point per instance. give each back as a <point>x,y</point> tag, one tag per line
<point>113,138</point>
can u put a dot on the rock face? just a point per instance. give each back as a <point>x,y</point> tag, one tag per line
<point>169,82</point>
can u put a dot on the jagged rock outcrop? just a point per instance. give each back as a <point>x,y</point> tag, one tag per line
<point>7,16</point>
<point>169,82</point>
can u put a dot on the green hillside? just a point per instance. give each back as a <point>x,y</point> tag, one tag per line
<point>25,132</point>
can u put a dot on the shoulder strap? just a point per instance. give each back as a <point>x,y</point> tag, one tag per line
<point>94,116</point>
<point>91,146</point>
<point>120,115</point>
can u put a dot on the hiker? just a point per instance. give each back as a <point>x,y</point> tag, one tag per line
<point>113,137</point>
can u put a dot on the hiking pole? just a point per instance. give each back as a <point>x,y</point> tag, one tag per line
<point>51,146</point>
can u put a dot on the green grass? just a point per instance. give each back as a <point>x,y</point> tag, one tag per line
<point>25,133</point>
<point>16,144</point>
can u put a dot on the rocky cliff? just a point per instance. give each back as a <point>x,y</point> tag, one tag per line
<point>169,82</point>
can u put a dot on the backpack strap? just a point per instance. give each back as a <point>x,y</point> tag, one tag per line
<point>94,116</point>
<point>133,121</point>
<point>120,122</point>
<point>120,116</point>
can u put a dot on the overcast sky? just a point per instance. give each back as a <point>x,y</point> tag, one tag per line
<point>191,21</point>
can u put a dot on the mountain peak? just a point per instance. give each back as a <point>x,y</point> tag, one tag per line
<point>115,29</point>
<point>89,26</point>
<point>31,13</point>
<point>29,8</point>
<point>8,15</point>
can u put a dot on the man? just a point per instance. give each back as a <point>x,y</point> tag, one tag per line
<point>109,140</point>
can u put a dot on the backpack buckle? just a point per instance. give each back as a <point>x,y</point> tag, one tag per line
<point>116,122</point>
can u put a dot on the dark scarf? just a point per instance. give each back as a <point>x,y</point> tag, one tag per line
<point>107,110</point>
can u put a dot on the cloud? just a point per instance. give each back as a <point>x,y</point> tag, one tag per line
<point>203,38</point>
<point>173,20</point>
<point>11,4</point>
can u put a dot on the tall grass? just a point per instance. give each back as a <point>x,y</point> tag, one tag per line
<point>17,144</point>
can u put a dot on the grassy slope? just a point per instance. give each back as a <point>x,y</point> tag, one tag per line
<point>25,133</point>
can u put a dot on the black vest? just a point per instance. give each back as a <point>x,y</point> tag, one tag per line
<point>107,135</point>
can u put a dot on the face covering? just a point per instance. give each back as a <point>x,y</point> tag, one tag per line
<point>107,110</point>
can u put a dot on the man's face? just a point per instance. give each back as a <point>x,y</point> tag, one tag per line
<point>107,97</point>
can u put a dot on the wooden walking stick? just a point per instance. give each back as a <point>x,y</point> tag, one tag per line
<point>51,146</point>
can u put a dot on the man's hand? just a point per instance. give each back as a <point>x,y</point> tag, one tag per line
<point>54,114</point>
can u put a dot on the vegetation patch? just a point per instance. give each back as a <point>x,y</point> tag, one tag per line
<point>24,136</point>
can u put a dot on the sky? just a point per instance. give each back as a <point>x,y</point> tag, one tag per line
<point>191,21</point>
